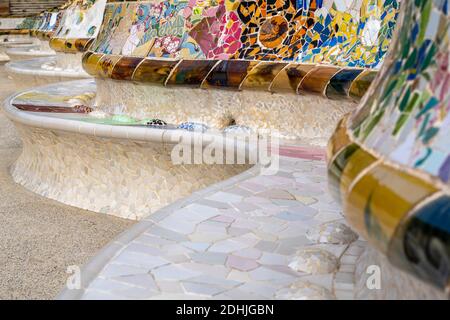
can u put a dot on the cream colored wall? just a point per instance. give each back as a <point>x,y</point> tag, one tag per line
<point>308,118</point>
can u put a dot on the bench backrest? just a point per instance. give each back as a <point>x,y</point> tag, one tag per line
<point>220,43</point>
<point>49,23</point>
<point>79,26</point>
<point>17,25</point>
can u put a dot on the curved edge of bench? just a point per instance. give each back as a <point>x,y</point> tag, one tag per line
<point>18,67</point>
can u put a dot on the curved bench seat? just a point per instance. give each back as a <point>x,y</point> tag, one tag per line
<point>40,71</point>
<point>299,95</point>
<point>49,23</point>
<point>23,43</point>
<point>17,26</point>
<point>29,27</point>
<point>288,70</point>
<point>8,42</point>
<point>51,165</point>
<point>43,31</point>
<point>260,106</point>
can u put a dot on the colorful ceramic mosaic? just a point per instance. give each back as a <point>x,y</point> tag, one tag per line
<point>29,23</point>
<point>390,161</point>
<point>79,25</point>
<point>242,44</point>
<point>348,33</point>
<point>11,23</point>
<point>49,23</point>
<point>15,25</point>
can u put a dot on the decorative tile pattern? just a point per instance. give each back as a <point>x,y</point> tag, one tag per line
<point>239,34</point>
<point>49,23</point>
<point>389,161</point>
<point>137,162</point>
<point>10,26</point>
<point>92,185</point>
<point>14,23</point>
<point>80,22</point>
<point>337,32</point>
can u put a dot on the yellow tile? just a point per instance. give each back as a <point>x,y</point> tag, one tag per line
<point>90,62</point>
<point>380,199</point>
<point>358,161</point>
<point>339,139</point>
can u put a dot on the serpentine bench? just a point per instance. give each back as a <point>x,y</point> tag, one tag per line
<point>151,62</point>
<point>388,166</point>
<point>159,60</point>
<point>48,22</point>
<point>185,71</point>
<point>15,32</point>
<point>78,25</point>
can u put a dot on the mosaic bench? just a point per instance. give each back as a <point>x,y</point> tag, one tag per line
<point>389,162</point>
<point>78,25</point>
<point>41,32</point>
<point>146,93</point>
<point>388,165</point>
<point>257,63</point>
<point>17,25</point>
<point>15,32</point>
<point>164,70</point>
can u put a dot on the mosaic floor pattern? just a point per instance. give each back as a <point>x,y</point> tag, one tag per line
<point>252,237</point>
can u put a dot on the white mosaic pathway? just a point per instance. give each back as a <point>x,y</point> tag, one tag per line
<point>251,237</point>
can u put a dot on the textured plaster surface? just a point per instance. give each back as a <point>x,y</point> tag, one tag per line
<point>307,117</point>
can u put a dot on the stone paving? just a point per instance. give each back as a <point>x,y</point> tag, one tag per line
<point>251,237</point>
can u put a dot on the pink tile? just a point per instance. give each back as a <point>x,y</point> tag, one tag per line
<point>241,264</point>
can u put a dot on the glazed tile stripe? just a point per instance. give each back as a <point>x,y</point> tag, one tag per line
<point>277,77</point>
<point>389,162</point>
<point>70,45</point>
<point>70,38</point>
<point>381,199</point>
<point>13,32</point>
